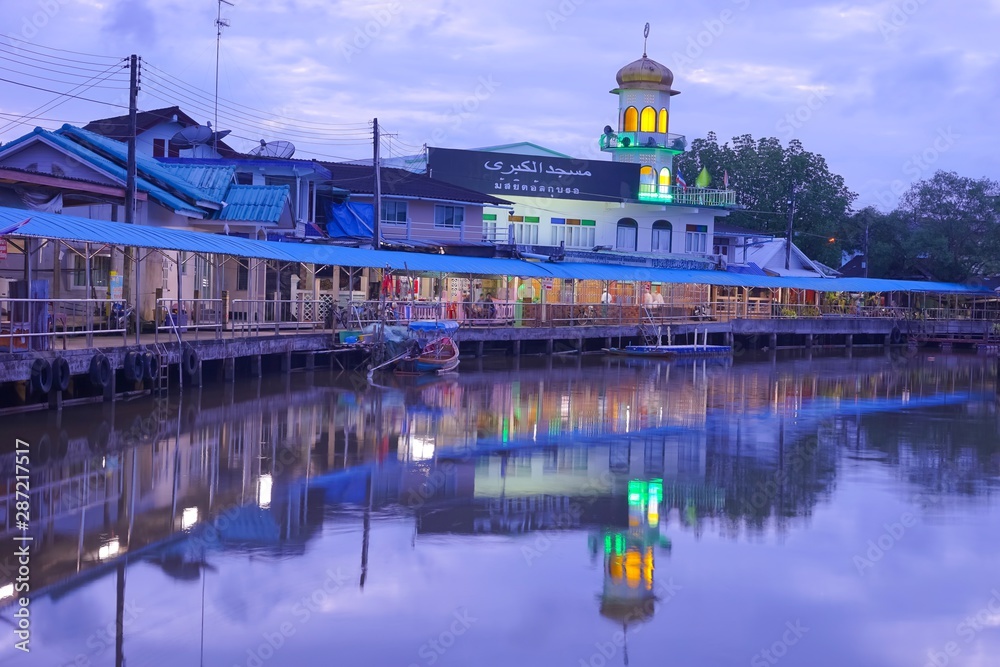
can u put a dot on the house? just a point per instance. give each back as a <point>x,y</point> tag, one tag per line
<point>157,134</point>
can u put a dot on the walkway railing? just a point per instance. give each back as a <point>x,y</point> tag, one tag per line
<point>42,324</point>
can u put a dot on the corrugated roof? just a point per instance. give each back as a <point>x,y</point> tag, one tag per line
<point>213,179</point>
<point>108,166</point>
<point>72,228</point>
<point>254,203</point>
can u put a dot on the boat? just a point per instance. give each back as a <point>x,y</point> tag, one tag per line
<point>672,351</point>
<point>431,351</point>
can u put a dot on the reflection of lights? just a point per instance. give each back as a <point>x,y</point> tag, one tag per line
<point>421,449</point>
<point>628,417</point>
<point>7,591</point>
<point>189,517</point>
<point>264,491</point>
<point>564,407</point>
<point>108,550</point>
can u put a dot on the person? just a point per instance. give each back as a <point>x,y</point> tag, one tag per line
<point>647,298</point>
<point>606,296</point>
<point>658,298</point>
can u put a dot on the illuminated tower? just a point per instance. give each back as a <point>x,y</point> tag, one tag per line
<point>644,91</point>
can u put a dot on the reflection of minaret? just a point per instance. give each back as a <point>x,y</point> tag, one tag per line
<point>628,595</point>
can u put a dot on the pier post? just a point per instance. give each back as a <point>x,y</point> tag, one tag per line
<point>607,343</point>
<point>579,345</point>
<point>517,348</point>
<point>196,380</point>
<point>55,399</point>
<point>809,341</point>
<point>730,338</point>
<point>255,365</point>
<point>772,341</point>
<point>286,361</point>
<point>480,345</point>
<point>311,361</point>
<point>110,394</point>
<point>849,341</point>
<point>229,369</point>
<point>549,346</point>
<point>887,340</point>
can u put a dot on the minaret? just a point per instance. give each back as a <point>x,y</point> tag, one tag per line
<point>644,91</point>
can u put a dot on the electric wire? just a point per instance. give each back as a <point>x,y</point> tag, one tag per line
<point>52,48</point>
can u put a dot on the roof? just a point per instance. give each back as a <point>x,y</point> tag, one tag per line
<point>763,255</point>
<point>854,268</point>
<point>254,203</point>
<point>248,160</point>
<point>17,222</point>
<point>117,127</point>
<point>214,180</point>
<point>523,148</point>
<point>402,183</point>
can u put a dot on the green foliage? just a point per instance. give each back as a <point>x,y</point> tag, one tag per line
<point>764,174</point>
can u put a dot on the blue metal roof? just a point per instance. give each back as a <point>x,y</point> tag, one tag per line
<point>214,180</point>
<point>255,203</point>
<point>72,228</point>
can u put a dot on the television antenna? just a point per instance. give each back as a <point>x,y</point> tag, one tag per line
<point>220,23</point>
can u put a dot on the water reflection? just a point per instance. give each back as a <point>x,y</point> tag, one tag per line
<point>631,456</point>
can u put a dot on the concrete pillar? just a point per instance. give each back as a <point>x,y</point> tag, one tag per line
<point>255,367</point>
<point>730,339</point>
<point>480,347</point>
<point>55,399</point>
<point>196,380</point>
<point>229,369</point>
<point>286,362</point>
<point>607,343</point>
<point>110,395</point>
<point>311,361</point>
<point>887,340</point>
<point>809,341</point>
<point>579,345</point>
<point>517,348</point>
<point>849,340</point>
<point>549,346</point>
<point>772,341</point>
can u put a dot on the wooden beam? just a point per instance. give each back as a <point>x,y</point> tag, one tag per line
<point>18,176</point>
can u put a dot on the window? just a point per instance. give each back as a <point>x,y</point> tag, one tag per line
<point>628,235</point>
<point>574,233</point>
<point>662,240</point>
<point>159,147</point>
<point>661,125</point>
<point>244,179</point>
<point>394,212</point>
<point>664,181</point>
<point>100,271</point>
<point>173,150</point>
<point>647,122</point>
<point>631,123</point>
<point>449,217</point>
<point>647,180</point>
<point>696,239</point>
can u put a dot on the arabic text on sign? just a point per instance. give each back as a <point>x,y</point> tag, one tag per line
<point>3,248</point>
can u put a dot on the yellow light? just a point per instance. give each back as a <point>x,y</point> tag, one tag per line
<point>633,570</point>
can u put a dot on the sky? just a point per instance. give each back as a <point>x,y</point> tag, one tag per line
<point>888,92</point>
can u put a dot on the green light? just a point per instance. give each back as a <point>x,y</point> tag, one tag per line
<point>655,490</point>
<point>636,492</point>
<point>619,543</point>
<point>506,430</point>
<point>607,544</point>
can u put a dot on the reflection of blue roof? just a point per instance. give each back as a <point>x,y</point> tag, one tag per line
<point>443,326</point>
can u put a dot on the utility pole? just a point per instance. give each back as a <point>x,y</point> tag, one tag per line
<point>788,242</point>
<point>866,248</point>
<point>377,204</point>
<point>133,100</point>
<point>220,23</point>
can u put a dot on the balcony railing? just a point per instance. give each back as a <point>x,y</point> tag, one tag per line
<point>670,141</point>
<point>679,195</point>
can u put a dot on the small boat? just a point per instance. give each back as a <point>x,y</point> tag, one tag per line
<point>437,355</point>
<point>672,351</point>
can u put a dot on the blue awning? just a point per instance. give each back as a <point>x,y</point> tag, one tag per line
<point>84,230</point>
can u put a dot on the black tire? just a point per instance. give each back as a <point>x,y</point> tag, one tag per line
<point>133,366</point>
<point>41,376</point>
<point>189,360</point>
<point>62,446</point>
<point>100,371</point>
<point>61,374</point>
<point>896,336</point>
<point>150,366</point>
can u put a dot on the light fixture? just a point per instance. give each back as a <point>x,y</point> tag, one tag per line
<point>109,549</point>
<point>264,491</point>
<point>189,517</point>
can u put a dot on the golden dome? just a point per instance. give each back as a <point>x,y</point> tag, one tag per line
<point>646,74</point>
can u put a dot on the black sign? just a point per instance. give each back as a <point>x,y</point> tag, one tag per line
<point>513,175</point>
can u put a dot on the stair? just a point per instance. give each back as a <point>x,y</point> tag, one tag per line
<point>162,385</point>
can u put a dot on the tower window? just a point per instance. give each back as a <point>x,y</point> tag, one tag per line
<point>647,123</point>
<point>661,125</point>
<point>647,180</point>
<point>631,122</point>
<point>664,181</point>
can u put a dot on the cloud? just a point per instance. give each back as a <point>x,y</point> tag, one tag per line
<point>134,20</point>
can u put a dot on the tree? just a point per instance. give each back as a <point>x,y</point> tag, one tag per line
<point>765,175</point>
<point>886,238</point>
<point>956,224</point>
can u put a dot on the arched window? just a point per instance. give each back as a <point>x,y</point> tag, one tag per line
<point>647,123</point>
<point>664,181</point>
<point>628,235</point>
<point>647,180</point>
<point>631,122</point>
<point>663,237</point>
<point>661,125</point>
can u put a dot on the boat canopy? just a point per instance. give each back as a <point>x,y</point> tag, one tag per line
<point>435,326</point>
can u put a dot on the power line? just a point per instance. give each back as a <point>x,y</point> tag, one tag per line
<point>52,48</point>
<point>68,83</point>
<point>76,97</point>
<point>297,122</point>
<point>32,61</point>
<point>48,120</point>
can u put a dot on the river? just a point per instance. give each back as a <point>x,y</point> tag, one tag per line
<point>804,509</point>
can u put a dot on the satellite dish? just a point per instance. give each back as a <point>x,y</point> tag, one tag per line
<point>608,130</point>
<point>217,136</point>
<point>278,149</point>
<point>626,142</point>
<point>192,136</point>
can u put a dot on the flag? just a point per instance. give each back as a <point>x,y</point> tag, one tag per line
<point>704,178</point>
<point>680,180</point>
<point>725,179</point>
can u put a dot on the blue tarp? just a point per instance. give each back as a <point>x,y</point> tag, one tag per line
<point>72,228</point>
<point>445,326</point>
<point>350,219</point>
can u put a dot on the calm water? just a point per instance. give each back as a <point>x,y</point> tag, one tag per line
<point>810,511</point>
